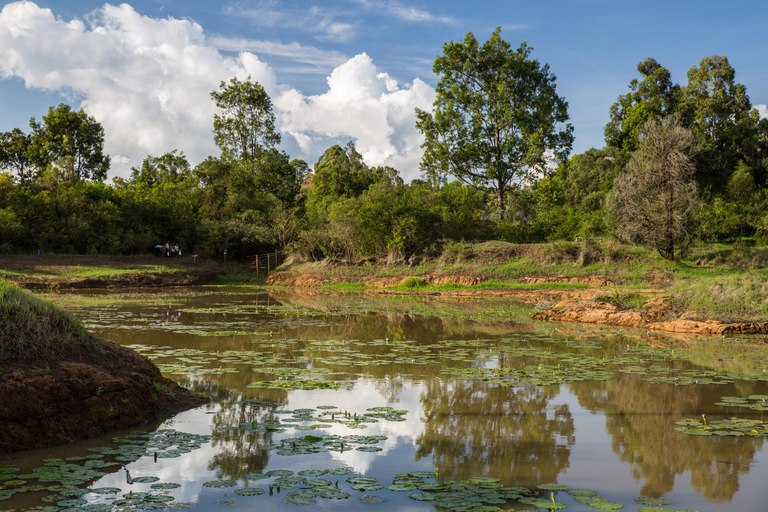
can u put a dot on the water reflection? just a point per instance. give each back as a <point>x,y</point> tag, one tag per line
<point>238,451</point>
<point>640,420</point>
<point>524,435</point>
<point>515,434</point>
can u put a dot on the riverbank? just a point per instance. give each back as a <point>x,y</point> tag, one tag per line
<point>715,290</point>
<point>712,290</point>
<point>60,382</point>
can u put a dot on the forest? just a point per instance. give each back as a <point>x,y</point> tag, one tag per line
<point>681,164</point>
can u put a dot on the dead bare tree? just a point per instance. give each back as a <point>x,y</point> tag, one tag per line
<point>652,201</point>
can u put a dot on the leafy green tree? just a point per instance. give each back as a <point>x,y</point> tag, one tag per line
<point>168,168</point>
<point>14,154</point>
<point>654,199</point>
<point>275,174</point>
<point>246,125</point>
<point>341,173</point>
<point>66,133</point>
<point>496,116</point>
<point>653,96</point>
<point>719,111</point>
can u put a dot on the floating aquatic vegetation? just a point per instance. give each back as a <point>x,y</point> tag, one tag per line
<point>730,427</point>
<point>652,501</point>
<point>249,491</point>
<point>754,402</point>
<point>300,384</point>
<point>220,483</point>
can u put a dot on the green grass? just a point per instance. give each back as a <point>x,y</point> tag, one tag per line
<point>629,300</point>
<point>111,272</point>
<point>343,287</point>
<point>415,284</point>
<point>33,330</point>
<point>723,294</point>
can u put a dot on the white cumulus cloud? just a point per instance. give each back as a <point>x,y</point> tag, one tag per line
<point>762,110</point>
<point>363,104</point>
<point>148,82</point>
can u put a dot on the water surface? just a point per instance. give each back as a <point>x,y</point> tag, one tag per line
<point>380,388</point>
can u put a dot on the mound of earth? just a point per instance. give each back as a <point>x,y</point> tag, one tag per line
<point>57,403</point>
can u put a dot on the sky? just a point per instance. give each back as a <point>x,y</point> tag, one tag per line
<point>339,70</point>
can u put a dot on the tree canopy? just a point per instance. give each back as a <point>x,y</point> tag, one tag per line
<point>246,125</point>
<point>72,135</point>
<point>496,116</point>
<point>653,96</point>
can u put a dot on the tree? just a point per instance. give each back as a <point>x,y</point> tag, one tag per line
<point>69,133</point>
<point>653,199</point>
<point>718,110</point>
<point>246,125</point>
<point>495,117</point>
<point>341,173</point>
<point>14,153</point>
<point>654,96</point>
<point>168,168</point>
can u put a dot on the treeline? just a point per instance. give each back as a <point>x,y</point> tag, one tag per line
<point>253,198</point>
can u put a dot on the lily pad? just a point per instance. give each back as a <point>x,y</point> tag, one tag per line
<point>249,491</point>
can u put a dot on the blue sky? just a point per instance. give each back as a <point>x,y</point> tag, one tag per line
<point>339,70</point>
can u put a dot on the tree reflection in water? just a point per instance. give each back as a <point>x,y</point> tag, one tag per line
<point>640,417</point>
<point>240,451</point>
<point>510,433</point>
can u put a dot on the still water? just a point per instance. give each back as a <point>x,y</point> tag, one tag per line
<point>347,402</point>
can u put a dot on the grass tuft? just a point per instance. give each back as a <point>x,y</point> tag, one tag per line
<point>33,330</point>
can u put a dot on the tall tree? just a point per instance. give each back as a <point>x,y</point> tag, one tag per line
<point>66,133</point>
<point>14,153</point>
<point>653,96</point>
<point>653,199</point>
<point>246,125</point>
<point>496,116</point>
<point>718,110</point>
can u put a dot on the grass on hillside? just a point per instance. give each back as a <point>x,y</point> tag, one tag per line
<point>36,331</point>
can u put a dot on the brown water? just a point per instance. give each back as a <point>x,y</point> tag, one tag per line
<point>615,435</point>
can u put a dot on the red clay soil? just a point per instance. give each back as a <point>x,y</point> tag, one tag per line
<point>654,317</point>
<point>46,271</point>
<point>45,405</point>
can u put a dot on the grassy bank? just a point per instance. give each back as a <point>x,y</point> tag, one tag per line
<point>713,282</point>
<point>35,331</point>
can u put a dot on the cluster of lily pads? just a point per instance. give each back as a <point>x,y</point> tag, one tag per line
<point>476,494</point>
<point>64,478</point>
<point>728,427</point>
<point>754,402</point>
<point>329,415</point>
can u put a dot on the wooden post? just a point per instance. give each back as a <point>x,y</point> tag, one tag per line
<point>268,269</point>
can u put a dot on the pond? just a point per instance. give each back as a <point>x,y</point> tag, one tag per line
<point>350,402</point>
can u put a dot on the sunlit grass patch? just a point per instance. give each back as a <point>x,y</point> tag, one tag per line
<point>343,287</point>
<point>32,329</point>
<point>725,294</point>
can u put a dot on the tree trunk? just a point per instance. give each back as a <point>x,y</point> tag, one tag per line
<point>500,201</point>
